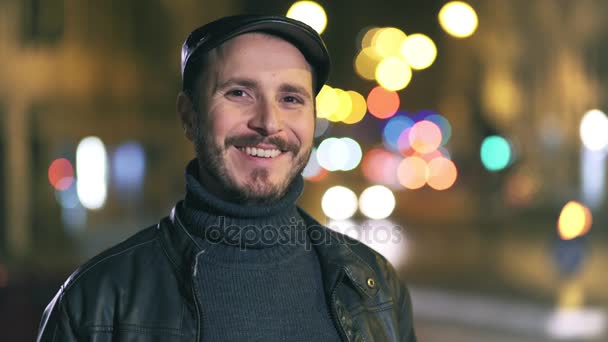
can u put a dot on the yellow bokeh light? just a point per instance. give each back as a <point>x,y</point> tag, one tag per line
<point>574,221</point>
<point>368,37</point>
<point>327,101</point>
<point>359,108</point>
<point>310,13</point>
<point>366,62</point>
<point>344,106</point>
<point>387,41</point>
<point>458,19</point>
<point>393,74</point>
<point>419,51</point>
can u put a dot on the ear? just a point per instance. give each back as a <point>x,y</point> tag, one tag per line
<point>187,114</point>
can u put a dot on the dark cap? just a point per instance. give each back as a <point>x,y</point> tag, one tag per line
<point>213,34</point>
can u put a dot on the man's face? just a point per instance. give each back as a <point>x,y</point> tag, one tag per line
<point>256,121</point>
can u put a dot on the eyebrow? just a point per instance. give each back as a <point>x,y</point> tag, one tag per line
<point>250,83</point>
<point>243,82</point>
<point>293,88</point>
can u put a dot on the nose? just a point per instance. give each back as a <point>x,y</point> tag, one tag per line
<point>266,119</point>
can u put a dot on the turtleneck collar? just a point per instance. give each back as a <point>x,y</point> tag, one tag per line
<point>246,226</point>
<point>200,198</point>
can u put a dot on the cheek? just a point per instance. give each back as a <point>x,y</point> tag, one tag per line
<point>304,130</point>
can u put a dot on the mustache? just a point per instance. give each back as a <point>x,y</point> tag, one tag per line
<point>254,139</point>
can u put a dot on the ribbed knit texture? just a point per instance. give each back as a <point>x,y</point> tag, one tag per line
<point>259,279</point>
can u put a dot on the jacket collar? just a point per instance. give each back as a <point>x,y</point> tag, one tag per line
<point>336,256</point>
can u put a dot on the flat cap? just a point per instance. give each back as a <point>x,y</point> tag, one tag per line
<point>213,34</point>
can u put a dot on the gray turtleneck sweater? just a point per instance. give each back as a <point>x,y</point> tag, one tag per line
<point>260,279</point>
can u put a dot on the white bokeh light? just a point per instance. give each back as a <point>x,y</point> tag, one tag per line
<point>336,154</point>
<point>91,173</point>
<point>310,13</point>
<point>354,154</point>
<point>312,168</point>
<point>594,130</point>
<point>339,203</point>
<point>377,202</point>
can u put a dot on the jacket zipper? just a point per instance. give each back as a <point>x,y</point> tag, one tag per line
<point>334,315</point>
<point>195,293</point>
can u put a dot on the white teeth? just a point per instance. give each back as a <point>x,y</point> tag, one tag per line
<point>261,153</point>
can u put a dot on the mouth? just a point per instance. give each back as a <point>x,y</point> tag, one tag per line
<point>260,152</point>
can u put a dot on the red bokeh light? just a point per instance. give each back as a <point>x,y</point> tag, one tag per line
<point>380,166</point>
<point>61,174</point>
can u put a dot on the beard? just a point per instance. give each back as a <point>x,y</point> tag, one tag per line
<point>257,189</point>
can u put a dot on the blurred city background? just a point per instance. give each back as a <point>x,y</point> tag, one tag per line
<point>466,142</point>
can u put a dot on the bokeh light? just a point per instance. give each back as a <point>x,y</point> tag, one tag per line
<point>312,168</point>
<point>382,103</point>
<point>324,154</point>
<point>74,219</point>
<point>358,108</point>
<point>393,73</point>
<point>425,137</point>
<point>339,203</point>
<point>442,173</point>
<point>377,202</point>
<point>91,171</point>
<point>380,166</point>
<point>321,126</point>
<point>310,13</point>
<point>419,51</point>
<point>594,130</point>
<point>366,62</point>
<point>412,172</point>
<point>393,129</point>
<point>495,153</point>
<point>368,37</point>
<point>61,174</point>
<point>458,19</point>
<point>68,198</point>
<point>443,124</point>
<point>574,220</point>
<point>336,154</point>
<point>354,154</point>
<point>327,101</point>
<point>129,166</point>
<point>344,106</point>
<point>388,40</point>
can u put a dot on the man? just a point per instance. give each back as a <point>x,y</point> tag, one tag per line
<point>237,260</point>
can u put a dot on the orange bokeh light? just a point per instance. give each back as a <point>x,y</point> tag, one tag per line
<point>425,137</point>
<point>442,173</point>
<point>382,103</point>
<point>61,174</point>
<point>412,172</point>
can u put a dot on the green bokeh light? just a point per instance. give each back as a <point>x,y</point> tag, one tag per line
<point>495,153</point>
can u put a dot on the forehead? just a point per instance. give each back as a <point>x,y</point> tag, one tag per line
<point>256,50</point>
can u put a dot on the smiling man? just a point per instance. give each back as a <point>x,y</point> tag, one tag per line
<point>237,260</point>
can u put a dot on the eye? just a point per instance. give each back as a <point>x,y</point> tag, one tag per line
<point>236,92</point>
<point>292,99</point>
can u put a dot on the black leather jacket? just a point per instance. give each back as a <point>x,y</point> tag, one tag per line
<point>146,289</point>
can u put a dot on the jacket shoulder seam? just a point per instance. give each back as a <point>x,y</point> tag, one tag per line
<point>85,270</point>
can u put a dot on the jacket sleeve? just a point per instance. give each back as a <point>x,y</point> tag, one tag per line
<point>55,324</point>
<point>403,303</point>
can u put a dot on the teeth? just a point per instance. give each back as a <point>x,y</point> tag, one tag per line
<point>262,153</point>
